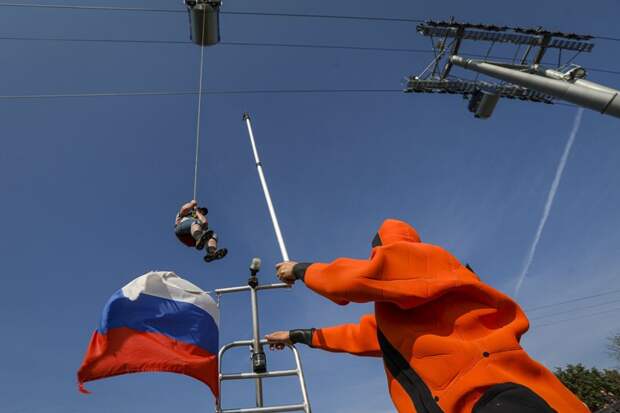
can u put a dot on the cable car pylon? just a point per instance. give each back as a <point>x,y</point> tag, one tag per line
<point>522,78</point>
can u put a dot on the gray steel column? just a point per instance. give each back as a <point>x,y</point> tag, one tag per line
<point>582,93</point>
<point>256,344</point>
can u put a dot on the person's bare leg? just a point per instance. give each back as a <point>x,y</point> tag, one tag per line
<point>212,244</point>
<point>198,232</point>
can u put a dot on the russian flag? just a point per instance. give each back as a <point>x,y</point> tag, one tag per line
<point>157,322</point>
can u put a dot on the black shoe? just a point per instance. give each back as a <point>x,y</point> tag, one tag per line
<point>216,255</point>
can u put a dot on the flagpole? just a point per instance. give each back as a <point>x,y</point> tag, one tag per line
<point>261,175</point>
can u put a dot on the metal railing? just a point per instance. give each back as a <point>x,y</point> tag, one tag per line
<point>259,367</point>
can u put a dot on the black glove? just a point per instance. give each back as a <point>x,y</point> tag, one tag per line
<point>301,336</point>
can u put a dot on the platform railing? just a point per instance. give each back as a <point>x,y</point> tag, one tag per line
<point>259,370</point>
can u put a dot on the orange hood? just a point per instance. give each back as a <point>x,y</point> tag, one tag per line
<point>393,231</point>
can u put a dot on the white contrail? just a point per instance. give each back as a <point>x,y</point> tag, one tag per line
<point>550,197</point>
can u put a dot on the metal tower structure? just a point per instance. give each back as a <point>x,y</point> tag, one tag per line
<point>523,77</point>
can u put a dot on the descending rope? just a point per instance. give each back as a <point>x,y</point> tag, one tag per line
<point>198,120</point>
<point>202,55</point>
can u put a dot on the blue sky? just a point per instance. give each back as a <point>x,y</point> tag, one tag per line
<point>90,186</point>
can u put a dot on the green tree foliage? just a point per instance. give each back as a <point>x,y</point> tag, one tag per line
<point>596,388</point>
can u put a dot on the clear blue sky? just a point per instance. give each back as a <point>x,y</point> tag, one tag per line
<point>90,186</point>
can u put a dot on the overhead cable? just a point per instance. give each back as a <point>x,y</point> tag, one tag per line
<point>574,300</point>
<point>194,92</point>
<point>323,46</point>
<point>246,13</point>
<point>613,39</point>
<point>93,8</point>
<point>614,310</point>
<point>613,72</point>
<point>327,16</point>
<point>250,44</point>
<point>78,40</point>
<point>573,310</point>
<point>212,92</point>
<point>96,94</point>
<point>238,13</point>
<point>256,44</point>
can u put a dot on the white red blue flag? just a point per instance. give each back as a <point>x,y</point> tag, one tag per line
<point>157,322</point>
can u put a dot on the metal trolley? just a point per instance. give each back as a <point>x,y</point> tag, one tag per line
<point>259,365</point>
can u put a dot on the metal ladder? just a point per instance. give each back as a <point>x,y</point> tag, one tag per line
<point>259,370</point>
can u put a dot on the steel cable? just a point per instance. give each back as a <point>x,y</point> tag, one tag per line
<point>202,55</point>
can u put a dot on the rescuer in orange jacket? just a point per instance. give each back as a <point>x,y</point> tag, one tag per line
<point>449,342</point>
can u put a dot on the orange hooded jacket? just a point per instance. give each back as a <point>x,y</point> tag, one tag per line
<point>445,337</point>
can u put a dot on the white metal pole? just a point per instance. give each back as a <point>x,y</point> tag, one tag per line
<point>261,175</point>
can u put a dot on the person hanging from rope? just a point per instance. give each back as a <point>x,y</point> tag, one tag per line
<point>192,228</point>
<point>449,342</point>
